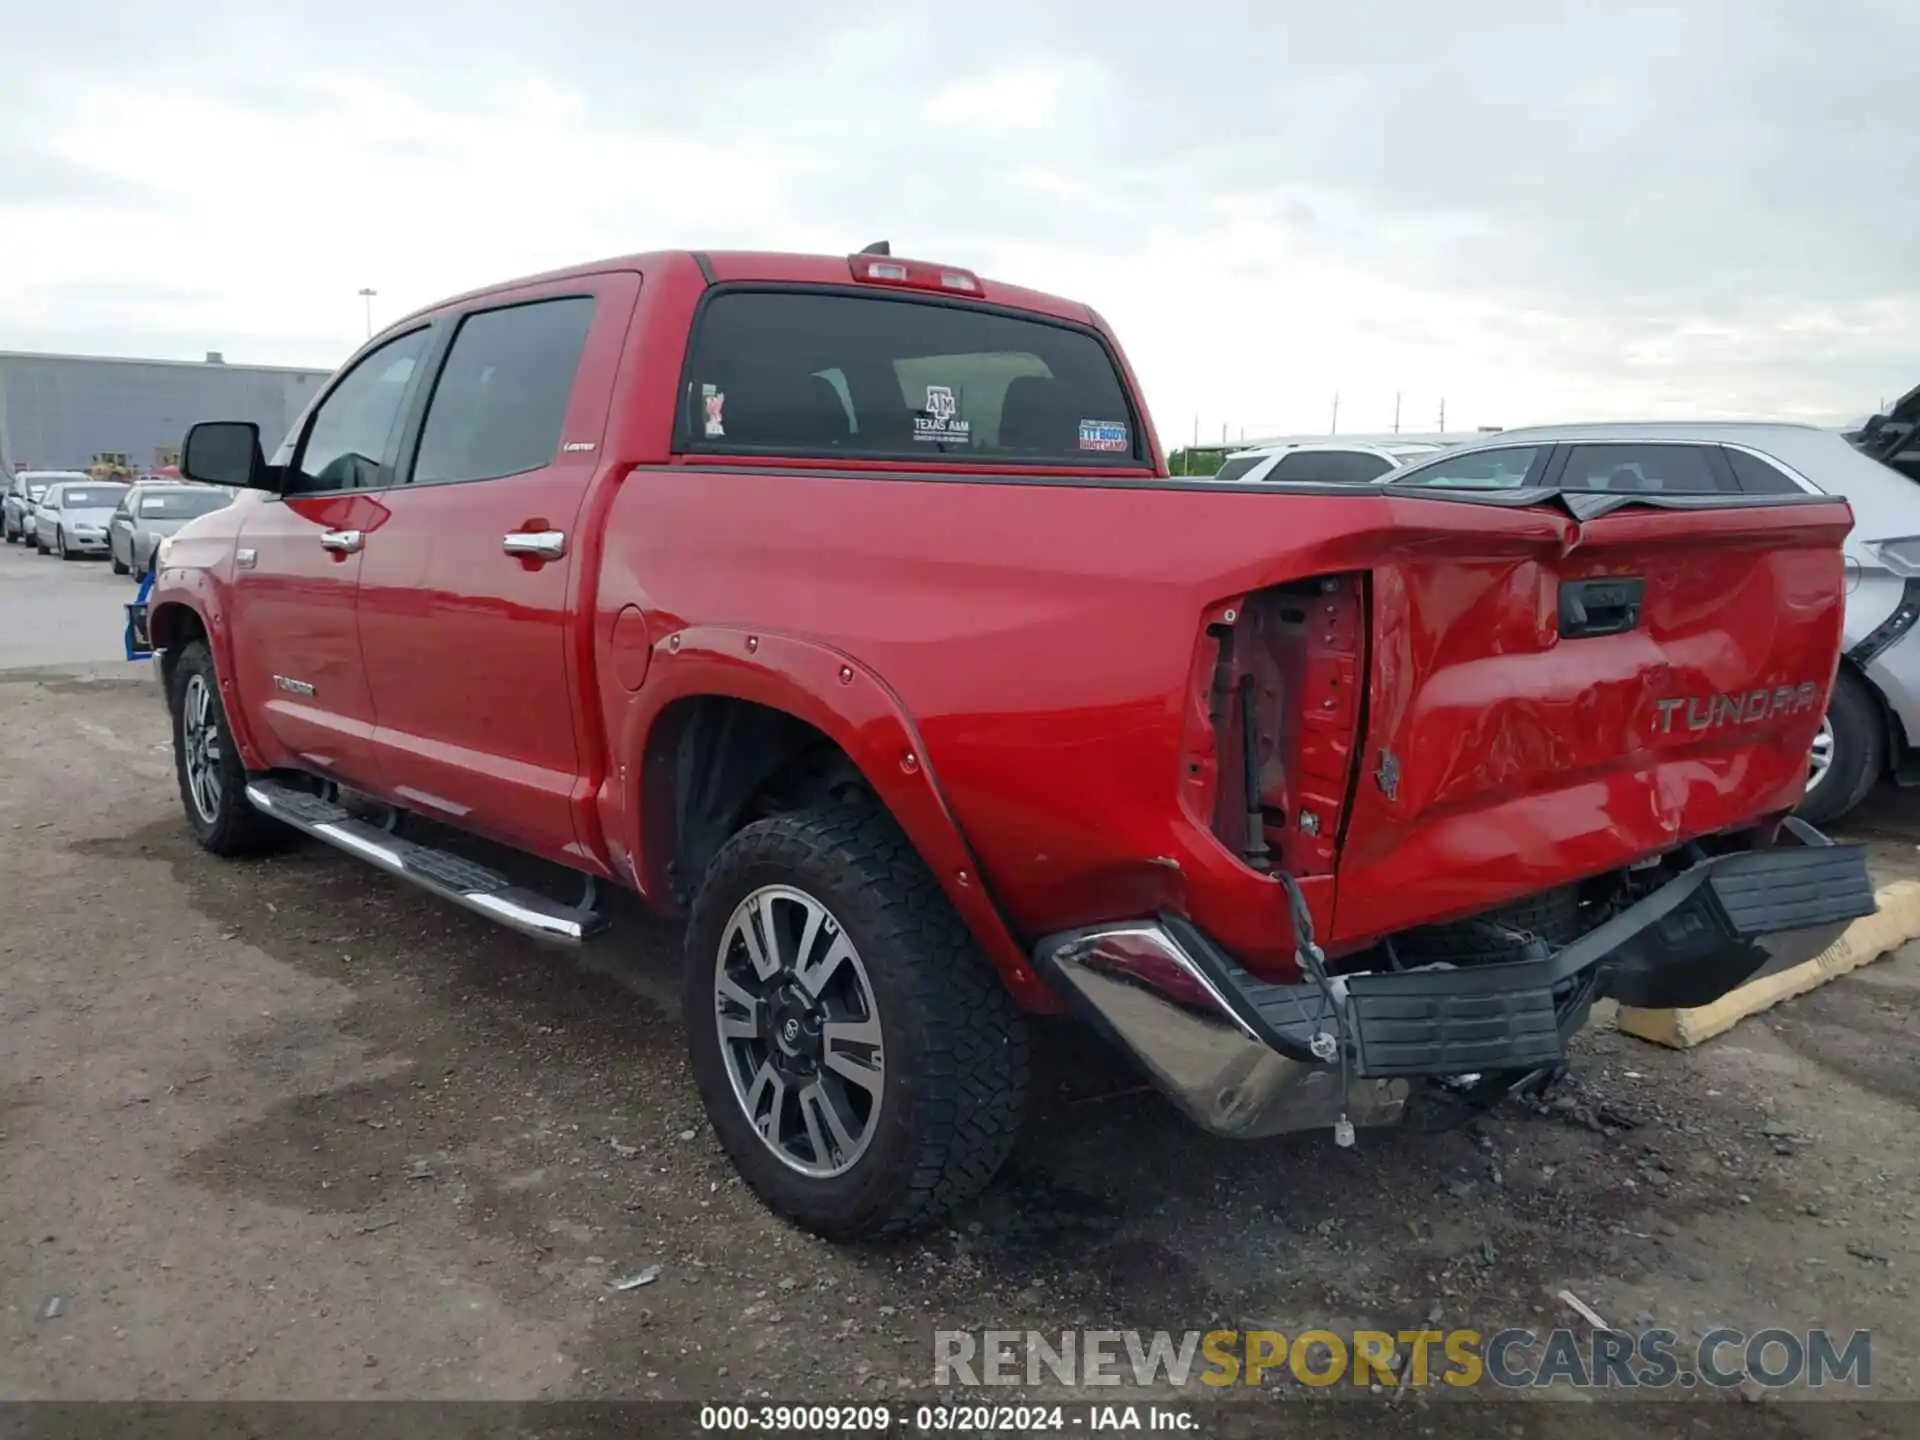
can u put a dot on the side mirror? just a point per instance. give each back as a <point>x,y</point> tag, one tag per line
<point>225,452</point>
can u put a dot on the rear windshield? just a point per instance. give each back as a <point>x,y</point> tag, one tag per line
<point>877,377</point>
<point>90,497</point>
<point>180,504</point>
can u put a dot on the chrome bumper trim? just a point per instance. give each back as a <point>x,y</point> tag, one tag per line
<point>1139,986</point>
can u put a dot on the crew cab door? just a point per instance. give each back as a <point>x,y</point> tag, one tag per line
<point>296,564</point>
<point>471,594</point>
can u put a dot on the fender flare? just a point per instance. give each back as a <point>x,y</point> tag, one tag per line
<point>191,592</point>
<point>850,705</point>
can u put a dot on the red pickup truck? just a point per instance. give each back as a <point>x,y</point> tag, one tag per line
<point>845,605</point>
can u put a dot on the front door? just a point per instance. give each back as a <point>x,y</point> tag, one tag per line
<point>297,558</point>
<point>469,589</point>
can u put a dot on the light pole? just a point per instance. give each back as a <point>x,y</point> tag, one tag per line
<point>367,295</point>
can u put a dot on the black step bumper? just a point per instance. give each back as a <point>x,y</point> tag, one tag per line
<point>1247,1057</point>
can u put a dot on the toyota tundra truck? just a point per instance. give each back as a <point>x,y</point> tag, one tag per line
<point>845,607</point>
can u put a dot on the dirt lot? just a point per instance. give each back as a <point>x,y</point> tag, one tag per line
<point>289,1129</point>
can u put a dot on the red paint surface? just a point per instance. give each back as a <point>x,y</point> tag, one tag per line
<point>1041,652</point>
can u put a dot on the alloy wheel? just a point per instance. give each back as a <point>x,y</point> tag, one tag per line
<point>1820,759</point>
<point>200,746</point>
<point>799,1030</point>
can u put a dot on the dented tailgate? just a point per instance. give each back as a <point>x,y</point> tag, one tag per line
<point>1531,719</point>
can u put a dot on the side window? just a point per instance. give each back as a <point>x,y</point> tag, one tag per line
<point>348,437</point>
<point>502,397</point>
<point>1759,477</point>
<point>1504,469</point>
<point>1642,469</point>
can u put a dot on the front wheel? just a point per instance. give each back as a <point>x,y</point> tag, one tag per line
<point>213,782</point>
<point>60,545</point>
<point>859,1060</point>
<point>113,555</point>
<point>1848,754</point>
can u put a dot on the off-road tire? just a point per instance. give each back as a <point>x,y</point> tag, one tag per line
<point>1859,751</point>
<point>955,1047</point>
<point>236,827</point>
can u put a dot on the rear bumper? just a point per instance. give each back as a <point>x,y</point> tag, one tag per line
<point>1247,1058</point>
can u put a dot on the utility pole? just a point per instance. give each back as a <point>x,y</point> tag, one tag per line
<point>367,295</point>
<point>1443,414</point>
<point>1334,427</point>
<point>1396,412</point>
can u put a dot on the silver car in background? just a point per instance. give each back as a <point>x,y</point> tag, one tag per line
<point>25,490</point>
<point>148,514</point>
<point>1872,726</point>
<point>1324,462</point>
<point>71,518</point>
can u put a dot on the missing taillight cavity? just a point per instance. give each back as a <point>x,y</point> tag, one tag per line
<point>1283,713</point>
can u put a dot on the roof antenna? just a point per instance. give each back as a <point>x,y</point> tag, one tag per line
<point>878,247</point>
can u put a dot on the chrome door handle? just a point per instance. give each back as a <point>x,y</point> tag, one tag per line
<point>343,542</point>
<point>542,544</point>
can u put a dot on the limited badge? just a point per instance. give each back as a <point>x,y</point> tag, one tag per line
<point>714,401</point>
<point>939,421</point>
<point>1108,435</point>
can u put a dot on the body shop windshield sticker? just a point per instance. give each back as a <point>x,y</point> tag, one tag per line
<point>713,401</point>
<point>1103,435</point>
<point>939,420</point>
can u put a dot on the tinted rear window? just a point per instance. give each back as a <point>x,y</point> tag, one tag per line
<point>181,504</point>
<point>869,376</point>
<point>1642,470</point>
<point>1504,469</point>
<point>1240,465</point>
<point>1329,467</point>
<point>1757,476</point>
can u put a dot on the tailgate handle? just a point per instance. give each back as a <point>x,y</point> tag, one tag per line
<point>1609,606</point>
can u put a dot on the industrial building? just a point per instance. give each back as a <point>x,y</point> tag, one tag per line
<point>59,412</point>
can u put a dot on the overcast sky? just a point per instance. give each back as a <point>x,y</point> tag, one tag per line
<point>1614,211</point>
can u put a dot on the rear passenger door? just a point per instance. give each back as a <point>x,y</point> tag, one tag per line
<point>470,594</point>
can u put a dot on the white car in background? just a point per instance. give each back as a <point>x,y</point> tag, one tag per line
<point>1323,462</point>
<point>24,492</point>
<point>1872,726</point>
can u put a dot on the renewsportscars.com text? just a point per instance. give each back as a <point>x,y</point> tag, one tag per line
<point>1512,1359</point>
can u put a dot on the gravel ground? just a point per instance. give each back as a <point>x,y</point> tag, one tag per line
<point>288,1129</point>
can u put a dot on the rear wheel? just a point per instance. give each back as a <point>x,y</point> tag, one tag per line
<point>859,1060</point>
<point>1848,754</point>
<point>213,782</point>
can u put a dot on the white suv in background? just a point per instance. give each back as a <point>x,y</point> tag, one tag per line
<point>1873,719</point>
<point>1324,462</point>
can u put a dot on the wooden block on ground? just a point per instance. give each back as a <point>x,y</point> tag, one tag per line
<point>1896,921</point>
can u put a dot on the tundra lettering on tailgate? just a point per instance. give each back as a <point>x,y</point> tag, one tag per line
<point>1711,712</point>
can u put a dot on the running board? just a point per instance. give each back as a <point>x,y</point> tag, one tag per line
<point>447,875</point>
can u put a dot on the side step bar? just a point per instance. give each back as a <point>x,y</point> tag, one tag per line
<point>447,875</point>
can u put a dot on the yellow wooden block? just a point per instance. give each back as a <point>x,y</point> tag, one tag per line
<point>1896,921</point>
